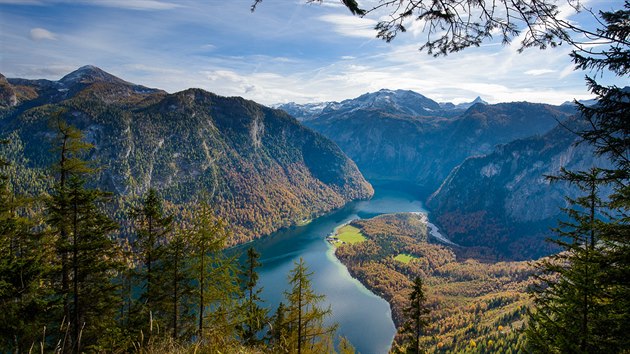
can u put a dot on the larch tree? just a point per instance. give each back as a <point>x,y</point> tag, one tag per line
<point>215,277</point>
<point>304,320</point>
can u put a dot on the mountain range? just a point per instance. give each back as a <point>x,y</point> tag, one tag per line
<point>261,169</point>
<point>388,142</point>
<point>480,166</point>
<point>481,169</point>
<point>394,101</point>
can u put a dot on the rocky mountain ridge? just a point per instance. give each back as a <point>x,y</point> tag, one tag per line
<point>483,167</point>
<point>502,203</point>
<point>404,102</point>
<point>261,169</point>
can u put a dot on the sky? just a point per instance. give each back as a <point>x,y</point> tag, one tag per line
<point>285,51</point>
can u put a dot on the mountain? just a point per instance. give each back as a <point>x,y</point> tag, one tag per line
<point>8,98</point>
<point>388,143</point>
<point>304,111</point>
<point>394,101</point>
<point>261,169</point>
<point>461,106</point>
<point>502,204</point>
<point>87,80</point>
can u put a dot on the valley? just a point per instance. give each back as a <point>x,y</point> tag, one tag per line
<point>259,167</point>
<point>283,185</point>
<point>474,305</point>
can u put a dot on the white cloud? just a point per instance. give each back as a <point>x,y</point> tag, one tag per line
<point>351,26</point>
<point>39,34</point>
<point>538,72</point>
<point>208,47</point>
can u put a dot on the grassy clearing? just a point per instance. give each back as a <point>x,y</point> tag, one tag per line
<point>348,234</point>
<point>404,258</point>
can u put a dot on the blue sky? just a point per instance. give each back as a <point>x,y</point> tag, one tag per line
<point>285,51</point>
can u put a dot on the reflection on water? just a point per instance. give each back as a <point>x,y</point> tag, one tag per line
<point>364,318</point>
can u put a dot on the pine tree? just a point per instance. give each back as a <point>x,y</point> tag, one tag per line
<point>306,331</point>
<point>567,299</point>
<point>415,317</point>
<point>24,273</point>
<point>87,252</point>
<point>605,293</point>
<point>153,227</point>
<point>178,285</point>
<point>254,316</point>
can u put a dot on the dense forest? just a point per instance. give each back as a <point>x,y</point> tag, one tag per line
<point>475,306</point>
<point>73,281</point>
<point>261,169</point>
<point>82,270</point>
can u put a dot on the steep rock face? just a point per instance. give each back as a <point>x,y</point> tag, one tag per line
<point>260,168</point>
<point>502,202</point>
<point>8,98</point>
<point>388,144</point>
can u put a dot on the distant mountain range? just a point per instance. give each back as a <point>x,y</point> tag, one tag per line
<point>262,169</point>
<point>393,101</point>
<point>388,142</point>
<point>483,166</point>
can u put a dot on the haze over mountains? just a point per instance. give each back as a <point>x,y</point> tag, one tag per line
<point>482,165</point>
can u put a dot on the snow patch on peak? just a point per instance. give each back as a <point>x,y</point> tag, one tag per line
<point>89,74</point>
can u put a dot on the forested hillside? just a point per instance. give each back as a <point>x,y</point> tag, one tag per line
<point>474,307</point>
<point>513,215</point>
<point>481,169</point>
<point>404,136</point>
<point>261,169</point>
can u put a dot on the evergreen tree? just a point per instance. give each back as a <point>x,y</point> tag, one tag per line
<point>568,312</point>
<point>87,252</point>
<point>94,264</point>
<point>306,331</point>
<point>610,134</point>
<point>415,318</point>
<point>594,273</point>
<point>178,285</point>
<point>70,146</point>
<point>24,272</point>
<point>153,227</point>
<point>254,316</point>
<point>278,332</point>
<point>215,277</point>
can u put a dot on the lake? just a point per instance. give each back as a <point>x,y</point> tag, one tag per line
<point>364,318</point>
